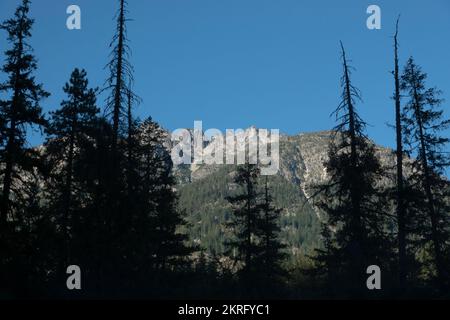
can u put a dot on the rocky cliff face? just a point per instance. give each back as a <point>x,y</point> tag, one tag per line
<point>302,159</point>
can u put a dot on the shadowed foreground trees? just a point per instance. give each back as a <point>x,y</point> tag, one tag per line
<point>70,135</point>
<point>22,108</point>
<point>423,122</point>
<point>76,200</point>
<point>255,249</point>
<point>19,111</point>
<point>354,232</point>
<point>101,194</point>
<point>359,230</point>
<point>400,190</point>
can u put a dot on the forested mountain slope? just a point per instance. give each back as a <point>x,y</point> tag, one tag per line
<point>203,189</point>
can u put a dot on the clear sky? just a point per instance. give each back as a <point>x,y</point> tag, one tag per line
<point>236,63</point>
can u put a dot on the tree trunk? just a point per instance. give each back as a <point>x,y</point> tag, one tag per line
<point>118,86</point>
<point>249,223</point>
<point>357,242</point>
<point>399,192</point>
<point>68,191</point>
<point>439,261</point>
<point>7,180</point>
<point>10,147</point>
<point>129,141</point>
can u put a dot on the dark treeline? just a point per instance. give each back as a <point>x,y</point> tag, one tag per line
<point>402,226</point>
<point>100,194</point>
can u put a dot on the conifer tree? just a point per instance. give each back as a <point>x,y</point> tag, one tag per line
<point>119,81</point>
<point>272,254</point>
<point>69,133</point>
<point>400,202</point>
<point>351,199</point>
<point>92,238</point>
<point>22,109</point>
<point>422,123</point>
<point>246,218</point>
<point>159,216</point>
<point>255,245</point>
<point>116,171</point>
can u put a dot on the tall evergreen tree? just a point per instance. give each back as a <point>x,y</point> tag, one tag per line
<point>400,205</point>
<point>119,81</point>
<point>422,122</point>
<point>272,254</point>
<point>116,170</point>
<point>246,218</point>
<point>69,133</point>
<point>159,216</point>
<point>93,234</point>
<point>255,245</point>
<point>22,109</point>
<point>351,198</point>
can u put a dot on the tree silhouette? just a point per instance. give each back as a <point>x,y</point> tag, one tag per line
<point>422,123</point>
<point>272,254</point>
<point>158,184</point>
<point>101,193</point>
<point>119,80</point>
<point>246,217</point>
<point>351,200</point>
<point>117,184</point>
<point>400,208</point>
<point>23,108</point>
<point>19,112</point>
<point>69,132</point>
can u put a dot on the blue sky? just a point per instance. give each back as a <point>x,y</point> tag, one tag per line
<point>236,63</point>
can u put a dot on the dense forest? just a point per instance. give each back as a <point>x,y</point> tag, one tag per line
<point>103,194</point>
